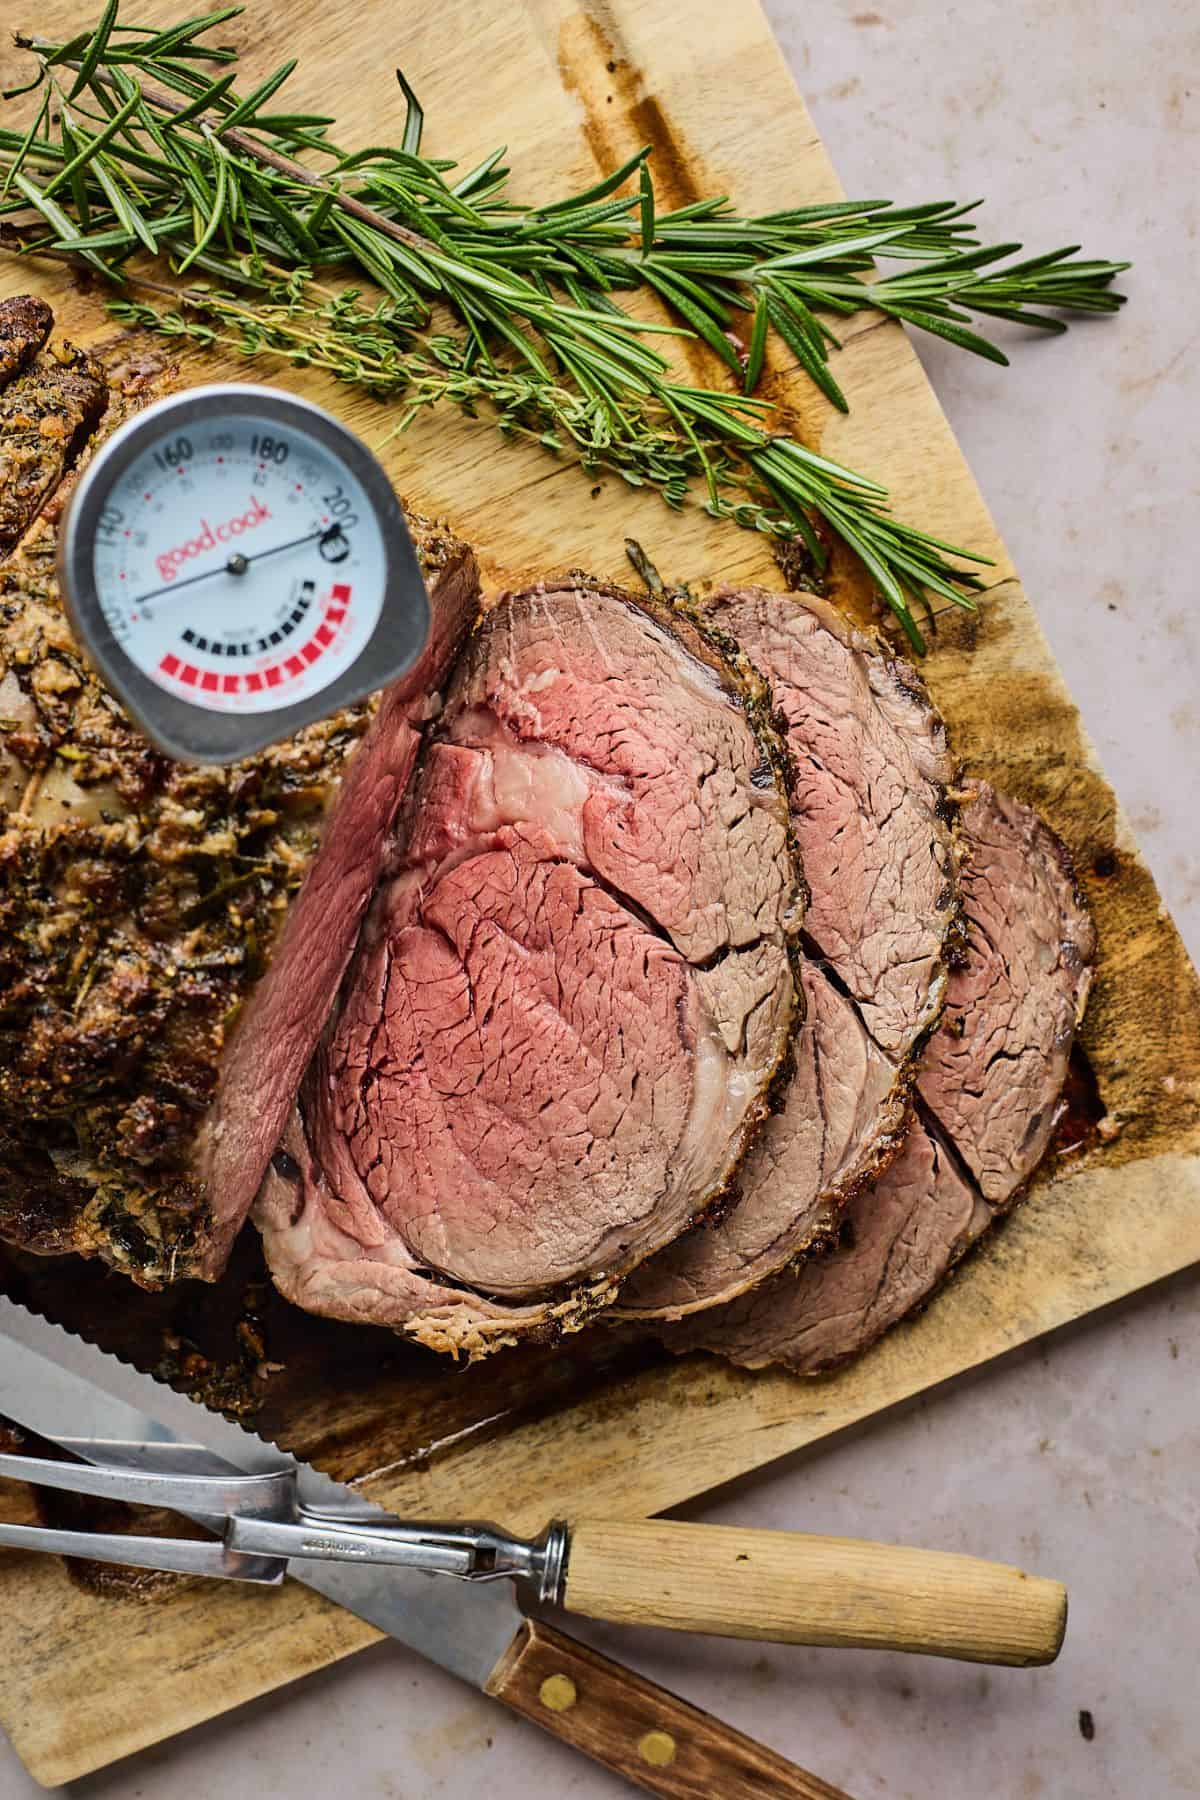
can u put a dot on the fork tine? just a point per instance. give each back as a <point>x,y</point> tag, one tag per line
<point>219,1496</point>
<point>181,1556</point>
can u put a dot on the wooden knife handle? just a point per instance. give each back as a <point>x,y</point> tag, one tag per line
<point>638,1730</point>
<point>794,1589</point>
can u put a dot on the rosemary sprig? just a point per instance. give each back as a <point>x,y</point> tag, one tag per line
<point>148,150</point>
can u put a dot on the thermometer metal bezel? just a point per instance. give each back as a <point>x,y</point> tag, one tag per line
<point>192,733</point>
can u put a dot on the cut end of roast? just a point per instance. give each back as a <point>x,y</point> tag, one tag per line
<point>278,1033</point>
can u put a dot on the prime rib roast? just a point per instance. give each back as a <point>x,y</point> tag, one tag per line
<point>648,960</point>
<point>150,911</point>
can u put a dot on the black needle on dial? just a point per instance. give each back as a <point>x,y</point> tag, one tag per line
<point>238,564</point>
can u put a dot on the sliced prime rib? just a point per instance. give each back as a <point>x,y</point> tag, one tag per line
<point>261,1071</point>
<point>573,992</point>
<point>167,933</point>
<point>843,1116</point>
<point>871,779</point>
<point>871,805</point>
<point>994,1076</point>
<point>990,1093</point>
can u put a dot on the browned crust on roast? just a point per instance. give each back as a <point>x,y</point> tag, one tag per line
<point>47,412</point>
<point>25,324</point>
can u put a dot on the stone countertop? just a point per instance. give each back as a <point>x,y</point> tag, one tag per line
<point>1078,1457</point>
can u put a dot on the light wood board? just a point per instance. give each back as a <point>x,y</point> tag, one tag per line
<point>86,1677</point>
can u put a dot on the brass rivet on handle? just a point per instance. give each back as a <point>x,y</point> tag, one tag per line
<point>558,1692</point>
<point>657,1748</point>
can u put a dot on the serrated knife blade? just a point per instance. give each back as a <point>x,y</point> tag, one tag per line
<point>103,1410</point>
<point>769,1585</point>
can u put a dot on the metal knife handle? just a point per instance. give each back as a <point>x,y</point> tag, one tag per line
<point>638,1730</point>
<point>313,1538</point>
<point>788,1588</point>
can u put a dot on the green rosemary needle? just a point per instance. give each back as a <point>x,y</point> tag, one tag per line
<point>143,145</point>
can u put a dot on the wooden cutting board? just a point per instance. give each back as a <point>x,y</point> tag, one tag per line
<point>89,1674</point>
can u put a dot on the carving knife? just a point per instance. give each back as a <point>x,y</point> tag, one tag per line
<point>774,1585</point>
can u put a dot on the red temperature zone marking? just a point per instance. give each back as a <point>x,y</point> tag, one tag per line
<point>274,673</point>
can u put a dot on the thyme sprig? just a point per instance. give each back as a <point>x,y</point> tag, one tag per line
<point>142,145</point>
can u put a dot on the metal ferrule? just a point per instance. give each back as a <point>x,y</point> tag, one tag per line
<point>556,1542</point>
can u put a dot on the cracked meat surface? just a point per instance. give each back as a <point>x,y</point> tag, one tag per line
<point>533,1042</point>
<point>992,1076</point>
<point>868,797</point>
<point>573,991</point>
<point>898,1239</point>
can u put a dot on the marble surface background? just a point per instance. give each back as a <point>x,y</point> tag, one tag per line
<point>1079,1457</point>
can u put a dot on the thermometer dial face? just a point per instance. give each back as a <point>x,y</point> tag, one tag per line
<point>238,565</point>
<point>233,561</point>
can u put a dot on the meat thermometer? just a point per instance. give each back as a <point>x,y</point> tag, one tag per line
<point>236,565</point>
